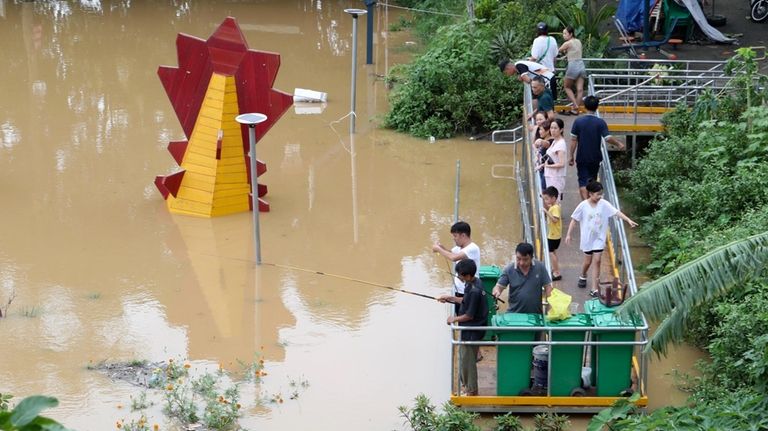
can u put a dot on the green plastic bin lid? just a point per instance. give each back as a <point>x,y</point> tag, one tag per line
<point>574,320</point>
<point>612,320</point>
<point>594,306</point>
<point>490,271</point>
<point>517,319</point>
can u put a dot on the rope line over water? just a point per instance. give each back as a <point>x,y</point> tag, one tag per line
<point>434,12</point>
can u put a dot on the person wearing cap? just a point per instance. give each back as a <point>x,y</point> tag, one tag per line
<point>544,51</point>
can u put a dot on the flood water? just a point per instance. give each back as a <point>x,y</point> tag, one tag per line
<point>102,271</point>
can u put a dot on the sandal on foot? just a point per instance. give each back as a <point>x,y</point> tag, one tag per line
<point>593,293</point>
<point>582,283</point>
<point>557,277</point>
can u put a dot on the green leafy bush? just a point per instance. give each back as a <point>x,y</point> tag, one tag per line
<point>508,422</point>
<point>699,180</point>
<point>425,417</point>
<point>454,87</point>
<point>551,422</point>
<point>734,411</point>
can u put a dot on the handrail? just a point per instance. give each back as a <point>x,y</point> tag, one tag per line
<point>634,87</point>
<point>515,139</point>
<point>534,232</point>
<point>539,219</point>
<point>616,226</point>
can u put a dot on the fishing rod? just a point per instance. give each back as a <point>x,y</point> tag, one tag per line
<point>343,277</point>
<point>456,219</point>
<point>328,274</point>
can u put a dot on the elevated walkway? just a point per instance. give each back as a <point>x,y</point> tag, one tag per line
<point>634,97</point>
<point>635,94</point>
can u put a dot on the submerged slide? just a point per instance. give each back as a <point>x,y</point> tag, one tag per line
<point>701,20</point>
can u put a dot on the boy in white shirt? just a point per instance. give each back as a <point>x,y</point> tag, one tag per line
<point>593,214</point>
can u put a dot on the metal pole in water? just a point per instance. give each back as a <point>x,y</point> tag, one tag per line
<point>369,32</point>
<point>355,13</point>
<point>456,196</point>
<point>251,120</point>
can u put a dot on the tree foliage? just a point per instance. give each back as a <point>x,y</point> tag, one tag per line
<point>453,87</point>
<point>671,298</point>
<point>456,86</point>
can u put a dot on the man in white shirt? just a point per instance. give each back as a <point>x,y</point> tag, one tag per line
<point>544,52</point>
<point>464,249</point>
<point>525,70</point>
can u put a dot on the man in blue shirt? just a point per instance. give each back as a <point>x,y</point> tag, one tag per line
<point>587,134</point>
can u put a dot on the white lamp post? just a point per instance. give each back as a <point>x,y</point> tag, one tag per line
<point>355,13</point>
<point>251,120</point>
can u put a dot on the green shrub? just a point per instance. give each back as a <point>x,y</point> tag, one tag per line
<point>734,411</point>
<point>454,87</point>
<point>508,422</point>
<point>425,417</point>
<point>701,179</point>
<point>551,422</point>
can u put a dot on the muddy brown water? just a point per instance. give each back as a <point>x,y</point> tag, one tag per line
<point>102,271</point>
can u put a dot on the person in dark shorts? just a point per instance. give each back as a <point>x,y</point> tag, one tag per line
<point>592,214</point>
<point>552,212</point>
<point>587,134</point>
<point>473,311</point>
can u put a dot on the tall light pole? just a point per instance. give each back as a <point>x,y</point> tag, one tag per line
<point>355,13</point>
<point>251,120</point>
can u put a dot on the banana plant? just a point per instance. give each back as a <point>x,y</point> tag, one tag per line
<point>671,298</point>
<point>26,416</point>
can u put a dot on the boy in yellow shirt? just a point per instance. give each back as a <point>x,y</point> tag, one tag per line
<point>552,212</point>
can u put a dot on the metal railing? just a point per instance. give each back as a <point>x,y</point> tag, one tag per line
<point>508,136</point>
<point>631,88</point>
<point>534,232</point>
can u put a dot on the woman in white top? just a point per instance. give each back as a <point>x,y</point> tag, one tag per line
<point>553,161</point>
<point>576,71</point>
<point>592,214</point>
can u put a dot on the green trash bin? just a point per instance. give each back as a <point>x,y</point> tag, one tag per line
<point>594,306</point>
<point>513,374</point>
<point>614,363</point>
<point>489,275</point>
<point>567,360</point>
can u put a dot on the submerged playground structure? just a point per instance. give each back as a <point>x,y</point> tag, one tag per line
<point>218,79</point>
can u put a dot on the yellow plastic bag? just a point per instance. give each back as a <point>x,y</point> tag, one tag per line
<point>559,302</point>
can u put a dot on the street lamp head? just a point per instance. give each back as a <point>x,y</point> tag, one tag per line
<point>355,12</point>
<point>251,119</point>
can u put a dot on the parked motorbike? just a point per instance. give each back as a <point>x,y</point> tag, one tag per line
<point>758,10</point>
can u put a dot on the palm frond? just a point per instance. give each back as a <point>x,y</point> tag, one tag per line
<point>671,298</point>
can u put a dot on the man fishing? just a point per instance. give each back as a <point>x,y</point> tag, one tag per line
<point>464,249</point>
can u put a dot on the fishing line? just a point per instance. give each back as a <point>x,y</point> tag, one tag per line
<point>343,277</point>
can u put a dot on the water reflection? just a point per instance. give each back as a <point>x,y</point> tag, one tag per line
<point>84,130</point>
